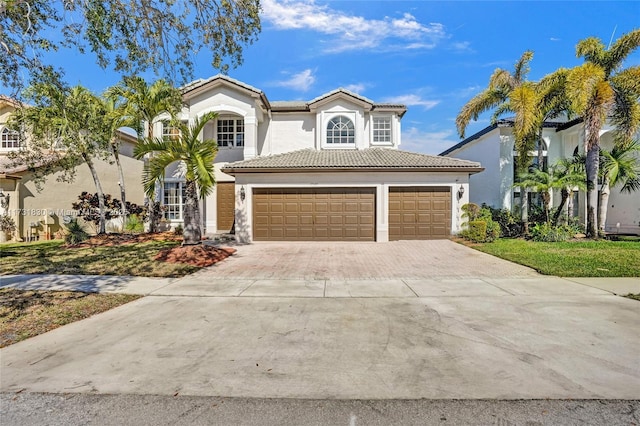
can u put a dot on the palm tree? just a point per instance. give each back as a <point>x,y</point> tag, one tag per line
<point>117,117</point>
<point>563,175</point>
<point>67,127</point>
<point>496,96</point>
<point>196,157</point>
<point>143,104</point>
<point>598,89</point>
<point>620,166</point>
<point>570,174</point>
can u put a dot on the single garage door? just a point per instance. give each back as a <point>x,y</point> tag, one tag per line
<point>419,213</point>
<point>314,214</point>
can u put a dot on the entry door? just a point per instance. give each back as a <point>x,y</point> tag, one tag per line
<point>226,205</point>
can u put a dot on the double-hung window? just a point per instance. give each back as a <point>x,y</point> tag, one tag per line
<point>230,132</point>
<point>381,130</point>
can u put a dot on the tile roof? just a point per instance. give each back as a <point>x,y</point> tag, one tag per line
<point>351,159</point>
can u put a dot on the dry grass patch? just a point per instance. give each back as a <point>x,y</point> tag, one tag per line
<point>133,258</point>
<point>27,313</point>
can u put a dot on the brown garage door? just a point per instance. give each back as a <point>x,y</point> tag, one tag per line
<point>419,213</point>
<point>314,214</point>
<point>226,205</point>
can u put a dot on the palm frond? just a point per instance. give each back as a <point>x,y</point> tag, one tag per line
<point>480,103</point>
<point>621,49</point>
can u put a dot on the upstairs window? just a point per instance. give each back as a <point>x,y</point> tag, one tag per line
<point>230,132</point>
<point>382,130</point>
<point>169,130</point>
<point>9,139</point>
<point>340,130</point>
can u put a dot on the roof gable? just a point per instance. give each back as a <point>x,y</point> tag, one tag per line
<point>197,87</point>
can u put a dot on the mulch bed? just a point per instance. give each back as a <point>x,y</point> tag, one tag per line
<point>198,255</point>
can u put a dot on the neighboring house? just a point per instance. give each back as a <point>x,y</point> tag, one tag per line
<point>40,214</point>
<point>326,169</point>
<point>494,148</point>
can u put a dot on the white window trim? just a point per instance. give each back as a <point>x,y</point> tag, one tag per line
<point>392,142</point>
<point>327,117</point>
<point>12,148</point>
<point>181,183</point>
<point>244,132</point>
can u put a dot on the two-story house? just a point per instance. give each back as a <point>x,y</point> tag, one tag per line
<point>494,148</point>
<point>40,210</point>
<point>324,169</point>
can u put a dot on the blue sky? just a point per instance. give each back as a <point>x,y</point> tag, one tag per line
<point>432,56</point>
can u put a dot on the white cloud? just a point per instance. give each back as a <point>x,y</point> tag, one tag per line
<point>411,100</point>
<point>356,88</point>
<point>351,32</point>
<point>554,39</point>
<point>301,81</point>
<point>416,140</point>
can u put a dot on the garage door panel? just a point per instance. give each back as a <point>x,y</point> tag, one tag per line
<point>330,214</point>
<point>419,213</point>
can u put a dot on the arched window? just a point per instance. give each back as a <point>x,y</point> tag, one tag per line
<point>9,139</point>
<point>340,130</point>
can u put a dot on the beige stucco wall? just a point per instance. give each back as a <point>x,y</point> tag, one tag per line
<point>45,209</point>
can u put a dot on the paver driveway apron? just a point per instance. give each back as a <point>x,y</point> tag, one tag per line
<point>362,260</point>
<point>468,330</point>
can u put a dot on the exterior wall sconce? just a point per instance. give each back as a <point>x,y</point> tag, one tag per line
<point>243,194</point>
<point>460,192</point>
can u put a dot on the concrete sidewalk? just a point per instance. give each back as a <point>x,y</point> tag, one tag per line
<point>208,286</point>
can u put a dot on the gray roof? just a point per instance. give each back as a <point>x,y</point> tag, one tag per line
<point>379,159</point>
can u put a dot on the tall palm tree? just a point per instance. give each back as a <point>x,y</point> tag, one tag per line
<point>620,167</point>
<point>143,104</point>
<point>117,117</point>
<point>496,95</point>
<point>598,89</point>
<point>67,127</point>
<point>196,157</point>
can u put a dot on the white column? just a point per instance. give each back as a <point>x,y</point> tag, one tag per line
<point>250,137</point>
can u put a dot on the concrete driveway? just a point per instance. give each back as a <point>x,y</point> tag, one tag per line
<point>492,330</point>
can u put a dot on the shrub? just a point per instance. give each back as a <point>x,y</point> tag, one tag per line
<point>75,233</point>
<point>178,230</point>
<point>7,224</point>
<point>480,227</point>
<point>89,210</point>
<point>511,226</point>
<point>544,232</point>
<point>493,231</point>
<point>477,231</point>
<point>134,224</point>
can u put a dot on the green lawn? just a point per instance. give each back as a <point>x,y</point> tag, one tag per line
<point>52,257</point>
<point>570,259</point>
